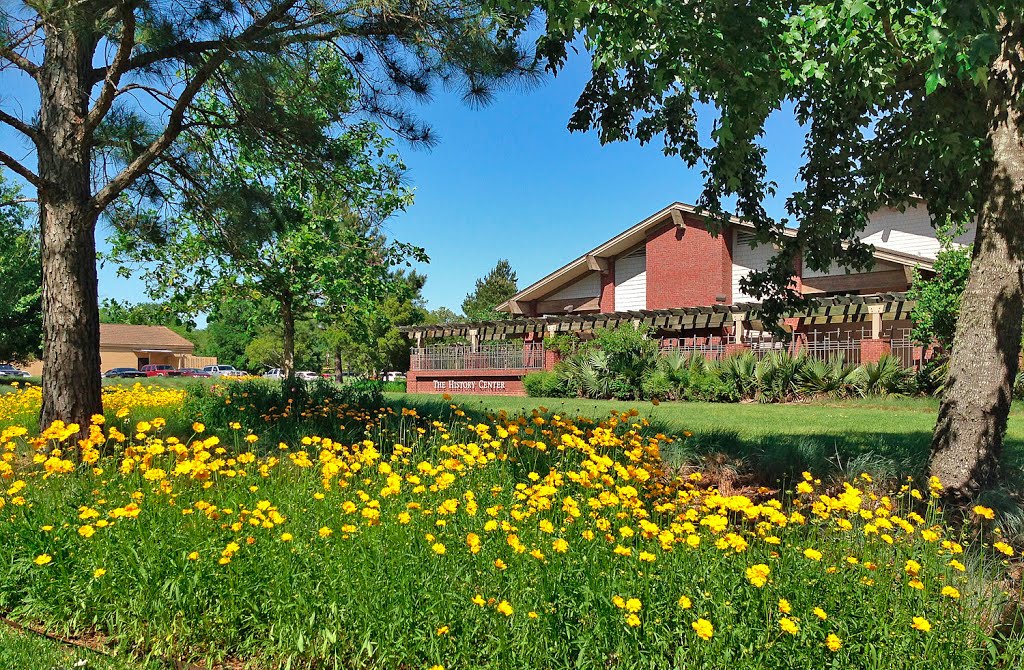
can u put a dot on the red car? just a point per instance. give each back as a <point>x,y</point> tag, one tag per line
<point>161,371</point>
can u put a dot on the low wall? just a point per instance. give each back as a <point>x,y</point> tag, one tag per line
<point>467,382</point>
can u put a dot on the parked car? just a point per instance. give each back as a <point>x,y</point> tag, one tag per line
<point>123,373</point>
<point>224,371</point>
<point>273,373</point>
<point>193,372</point>
<point>392,376</point>
<point>278,373</point>
<point>307,375</point>
<point>161,371</point>
<point>11,371</point>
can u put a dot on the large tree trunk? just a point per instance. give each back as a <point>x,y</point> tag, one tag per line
<point>975,407</point>
<point>288,357</point>
<point>71,360</point>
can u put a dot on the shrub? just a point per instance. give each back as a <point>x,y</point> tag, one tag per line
<point>887,377</point>
<point>612,365</point>
<point>544,385</point>
<point>397,386</point>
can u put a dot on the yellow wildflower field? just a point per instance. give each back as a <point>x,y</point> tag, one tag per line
<point>533,541</point>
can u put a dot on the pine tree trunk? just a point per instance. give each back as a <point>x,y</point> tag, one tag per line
<point>972,417</point>
<point>288,357</point>
<point>71,360</point>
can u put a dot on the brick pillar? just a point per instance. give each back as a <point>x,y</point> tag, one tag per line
<point>551,359</point>
<point>734,348</point>
<point>872,350</point>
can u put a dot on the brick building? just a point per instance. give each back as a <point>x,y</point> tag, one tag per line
<point>131,346</point>
<point>670,267</point>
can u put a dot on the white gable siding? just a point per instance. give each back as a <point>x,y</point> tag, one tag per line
<point>588,287</point>
<point>745,259</point>
<point>631,281</point>
<point>909,231</point>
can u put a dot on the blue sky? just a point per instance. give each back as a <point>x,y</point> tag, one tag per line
<point>510,181</point>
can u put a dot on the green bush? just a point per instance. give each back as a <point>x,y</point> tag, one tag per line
<point>612,365</point>
<point>397,386</point>
<point>280,410</point>
<point>544,385</point>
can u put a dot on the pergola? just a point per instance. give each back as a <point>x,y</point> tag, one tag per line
<point>874,308</point>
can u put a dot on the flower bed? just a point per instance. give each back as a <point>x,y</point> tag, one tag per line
<point>529,541</point>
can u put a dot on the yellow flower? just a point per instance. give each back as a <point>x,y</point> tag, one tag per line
<point>618,601</point>
<point>437,667</point>
<point>286,537</point>
<point>532,614</point>
<point>685,602</point>
<point>957,565</point>
<point>633,605</point>
<point>194,556</point>
<point>820,613</point>
<point>505,608</point>
<point>324,532</point>
<point>443,630</point>
<point>43,559</point>
<point>197,427</point>
<point>784,606</point>
<point>86,531</point>
<point>984,512</point>
<point>479,600</point>
<point>812,554</point>
<point>1003,548</point>
<point>833,642</point>
<point>921,624</point>
<point>438,548</point>
<point>916,584</point>
<point>758,574</point>
<point>789,625</point>
<point>703,628</point>
<point>950,592</point>
<point>98,572</point>
<point>913,568</point>
<point>633,620</point>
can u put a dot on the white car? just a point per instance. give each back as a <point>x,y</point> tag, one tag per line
<point>392,376</point>
<point>224,371</point>
<point>273,373</point>
<point>307,375</point>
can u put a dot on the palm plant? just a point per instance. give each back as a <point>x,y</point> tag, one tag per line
<point>887,377</point>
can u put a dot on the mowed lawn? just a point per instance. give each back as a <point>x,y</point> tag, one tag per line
<point>893,434</point>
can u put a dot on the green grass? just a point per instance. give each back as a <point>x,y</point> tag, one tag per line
<point>28,651</point>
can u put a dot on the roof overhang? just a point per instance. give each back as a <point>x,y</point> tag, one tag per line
<point>597,259</point>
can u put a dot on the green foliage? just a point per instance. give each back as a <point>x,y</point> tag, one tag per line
<point>612,365</point>
<point>938,297</point>
<point>21,318</point>
<point>491,290</point>
<point>303,236</point>
<point>546,384</point>
<point>887,377</point>
<point>367,337</point>
<point>895,100</point>
<point>284,410</point>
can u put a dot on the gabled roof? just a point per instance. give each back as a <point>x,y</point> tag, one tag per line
<point>141,338</point>
<point>635,235</point>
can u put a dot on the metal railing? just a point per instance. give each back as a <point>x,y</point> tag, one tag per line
<point>465,357</point>
<point>708,347</point>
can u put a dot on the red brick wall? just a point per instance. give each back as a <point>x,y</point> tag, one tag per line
<point>871,351</point>
<point>607,303</point>
<point>687,267</point>
<point>467,382</point>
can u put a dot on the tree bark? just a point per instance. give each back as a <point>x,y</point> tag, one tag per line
<point>983,365</point>
<point>339,366</point>
<point>288,356</point>
<point>71,360</point>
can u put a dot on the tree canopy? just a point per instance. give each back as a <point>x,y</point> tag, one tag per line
<point>900,100</point>
<point>21,324</point>
<point>491,290</point>
<point>116,111</point>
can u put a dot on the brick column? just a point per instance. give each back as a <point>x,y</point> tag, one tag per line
<point>734,348</point>
<point>872,350</point>
<point>551,359</point>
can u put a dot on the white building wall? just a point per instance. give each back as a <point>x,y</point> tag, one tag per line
<point>587,287</point>
<point>631,281</point>
<point>909,231</point>
<point>744,260</point>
